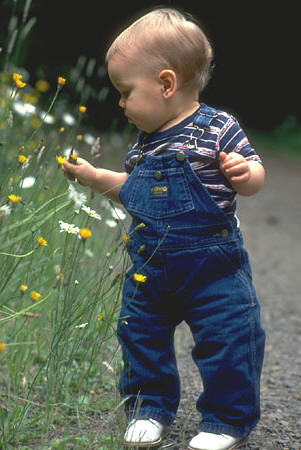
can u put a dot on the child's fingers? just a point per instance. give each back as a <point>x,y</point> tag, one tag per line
<point>232,160</point>
<point>241,178</point>
<point>236,169</point>
<point>69,170</point>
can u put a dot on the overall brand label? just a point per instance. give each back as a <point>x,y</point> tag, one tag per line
<point>159,191</point>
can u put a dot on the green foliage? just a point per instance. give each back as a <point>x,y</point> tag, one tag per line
<point>62,265</point>
<point>283,140</point>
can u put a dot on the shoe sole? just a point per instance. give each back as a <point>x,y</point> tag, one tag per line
<point>142,444</point>
<point>235,446</point>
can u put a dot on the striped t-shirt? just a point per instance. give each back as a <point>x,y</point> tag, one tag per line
<point>202,147</point>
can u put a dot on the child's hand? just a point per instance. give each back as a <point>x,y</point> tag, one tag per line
<point>82,171</point>
<point>235,167</point>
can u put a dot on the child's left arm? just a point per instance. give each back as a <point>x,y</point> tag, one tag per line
<point>246,177</point>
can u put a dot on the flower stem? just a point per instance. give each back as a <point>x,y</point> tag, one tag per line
<point>43,119</point>
<point>18,256</point>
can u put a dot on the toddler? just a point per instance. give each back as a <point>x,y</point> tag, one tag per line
<point>189,263</point>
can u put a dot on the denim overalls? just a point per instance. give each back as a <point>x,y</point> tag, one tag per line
<point>198,271</point>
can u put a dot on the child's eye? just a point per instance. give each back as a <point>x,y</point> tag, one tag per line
<point>125,94</point>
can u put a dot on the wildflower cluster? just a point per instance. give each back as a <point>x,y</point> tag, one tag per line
<point>36,264</point>
<point>34,295</point>
<point>59,296</point>
<point>70,228</point>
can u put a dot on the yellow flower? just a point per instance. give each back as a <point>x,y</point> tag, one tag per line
<point>2,347</point>
<point>85,233</point>
<point>62,129</point>
<point>17,76</point>
<point>60,160</point>
<point>82,109</point>
<point>22,159</point>
<point>73,157</point>
<point>34,295</point>
<point>17,79</point>
<point>100,317</point>
<point>14,198</point>
<point>20,84</point>
<point>140,278</point>
<point>79,137</point>
<point>42,86</point>
<point>126,238</point>
<point>23,288</point>
<point>61,81</point>
<point>41,241</point>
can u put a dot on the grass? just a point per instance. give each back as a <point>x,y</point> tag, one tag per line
<point>59,293</point>
<point>62,264</point>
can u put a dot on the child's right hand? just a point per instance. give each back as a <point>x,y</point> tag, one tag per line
<point>82,171</point>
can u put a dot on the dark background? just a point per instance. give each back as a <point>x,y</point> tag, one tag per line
<point>255,44</point>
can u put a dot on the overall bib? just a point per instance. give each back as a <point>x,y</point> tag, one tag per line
<point>197,270</point>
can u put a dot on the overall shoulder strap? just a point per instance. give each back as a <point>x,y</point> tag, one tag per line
<point>205,116</point>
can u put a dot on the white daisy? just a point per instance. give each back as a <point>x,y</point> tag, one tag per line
<point>5,210</point>
<point>24,109</point>
<point>82,325</point>
<point>68,227</point>
<point>68,119</point>
<point>90,212</point>
<point>118,214</point>
<point>89,139</point>
<point>111,223</point>
<point>28,182</point>
<point>105,204</point>
<point>47,118</point>
<point>79,198</point>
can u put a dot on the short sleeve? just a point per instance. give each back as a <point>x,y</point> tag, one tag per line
<point>233,139</point>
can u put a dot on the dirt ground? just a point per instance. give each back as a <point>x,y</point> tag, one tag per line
<point>270,222</point>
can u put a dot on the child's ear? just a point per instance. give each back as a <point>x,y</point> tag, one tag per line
<point>169,82</point>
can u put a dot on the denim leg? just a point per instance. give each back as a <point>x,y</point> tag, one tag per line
<point>229,344</point>
<point>150,378</point>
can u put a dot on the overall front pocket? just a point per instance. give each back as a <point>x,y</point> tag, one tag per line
<point>159,194</point>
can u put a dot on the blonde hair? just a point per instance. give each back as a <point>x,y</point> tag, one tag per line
<point>167,39</point>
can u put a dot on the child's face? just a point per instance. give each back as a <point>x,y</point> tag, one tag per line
<point>140,93</point>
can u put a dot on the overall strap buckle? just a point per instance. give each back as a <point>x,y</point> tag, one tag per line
<point>205,116</point>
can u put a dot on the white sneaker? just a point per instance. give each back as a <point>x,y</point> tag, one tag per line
<point>211,441</point>
<point>143,433</point>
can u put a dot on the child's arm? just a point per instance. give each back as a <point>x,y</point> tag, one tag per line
<point>246,177</point>
<point>99,180</point>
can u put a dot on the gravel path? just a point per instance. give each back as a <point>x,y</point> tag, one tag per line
<point>271,222</point>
